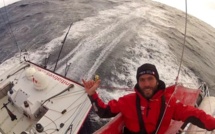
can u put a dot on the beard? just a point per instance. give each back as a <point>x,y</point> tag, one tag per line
<point>148,92</point>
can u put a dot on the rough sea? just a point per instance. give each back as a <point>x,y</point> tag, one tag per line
<point>109,38</point>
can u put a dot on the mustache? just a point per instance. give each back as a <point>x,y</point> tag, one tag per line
<point>148,87</point>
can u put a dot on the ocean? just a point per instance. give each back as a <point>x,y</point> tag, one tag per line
<point>108,38</point>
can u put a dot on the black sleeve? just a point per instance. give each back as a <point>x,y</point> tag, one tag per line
<point>101,109</point>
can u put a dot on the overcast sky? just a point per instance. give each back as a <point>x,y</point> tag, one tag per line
<point>7,2</point>
<point>202,9</point>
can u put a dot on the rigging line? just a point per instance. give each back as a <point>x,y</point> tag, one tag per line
<point>69,110</point>
<point>5,21</point>
<point>49,130</point>
<point>11,31</point>
<point>76,106</point>
<point>3,18</point>
<point>9,75</point>
<point>68,95</point>
<point>66,89</point>
<point>76,111</point>
<point>55,110</point>
<point>51,121</point>
<point>116,88</point>
<point>29,47</point>
<point>208,95</point>
<point>80,108</point>
<point>33,130</point>
<point>63,114</point>
<point>185,31</point>
<point>67,69</point>
<point>75,100</point>
<point>184,42</point>
<point>64,96</point>
<point>17,78</point>
<point>63,42</point>
<point>193,131</point>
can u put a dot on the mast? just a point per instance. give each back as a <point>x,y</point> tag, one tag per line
<point>63,42</point>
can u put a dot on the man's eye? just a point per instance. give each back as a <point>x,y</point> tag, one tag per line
<point>142,80</point>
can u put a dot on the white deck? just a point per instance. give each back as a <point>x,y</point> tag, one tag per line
<point>35,90</point>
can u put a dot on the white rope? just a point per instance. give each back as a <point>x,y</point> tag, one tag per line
<point>195,131</point>
<point>185,33</point>
<point>177,78</point>
<point>11,30</point>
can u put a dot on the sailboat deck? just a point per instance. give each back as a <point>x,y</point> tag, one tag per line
<point>53,101</point>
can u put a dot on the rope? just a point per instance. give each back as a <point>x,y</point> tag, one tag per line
<point>52,122</point>
<point>68,110</point>
<point>117,88</point>
<point>194,131</point>
<point>5,21</point>
<point>185,33</point>
<point>11,31</point>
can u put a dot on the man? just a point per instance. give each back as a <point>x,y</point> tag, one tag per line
<point>143,110</point>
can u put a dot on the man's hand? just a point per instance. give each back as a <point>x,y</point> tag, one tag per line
<point>91,86</point>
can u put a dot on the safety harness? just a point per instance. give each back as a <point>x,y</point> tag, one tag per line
<point>140,118</point>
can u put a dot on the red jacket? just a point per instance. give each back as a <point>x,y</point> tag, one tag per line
<point>150,112</point>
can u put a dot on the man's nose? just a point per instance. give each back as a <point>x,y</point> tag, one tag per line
<point>147,83</point>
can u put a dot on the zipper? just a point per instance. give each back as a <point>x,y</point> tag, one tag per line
<point>147,108</point>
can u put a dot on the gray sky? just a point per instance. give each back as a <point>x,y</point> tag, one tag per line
<point>202,9</point>
<point>7,2</point>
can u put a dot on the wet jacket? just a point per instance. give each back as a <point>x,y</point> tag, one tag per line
<point>150,110</point>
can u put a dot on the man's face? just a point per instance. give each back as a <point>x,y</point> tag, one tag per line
<point>148,85</point>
